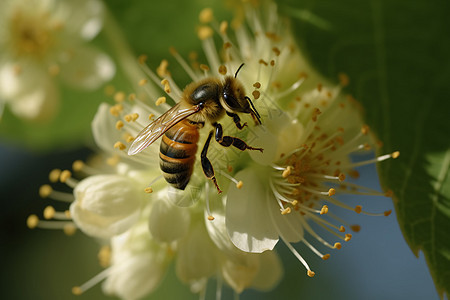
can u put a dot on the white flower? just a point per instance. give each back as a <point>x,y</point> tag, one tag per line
<point>139,263</point>
<point>43,40</point>
<point>106,205</point>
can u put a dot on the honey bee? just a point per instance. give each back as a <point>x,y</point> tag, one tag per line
<point>205,100</point>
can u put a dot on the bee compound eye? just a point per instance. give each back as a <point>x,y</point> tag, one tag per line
<point>231,101</point>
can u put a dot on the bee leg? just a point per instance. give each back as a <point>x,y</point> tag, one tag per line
<point>237,120</point>
<point>228,141</point>
<point>206,164</point>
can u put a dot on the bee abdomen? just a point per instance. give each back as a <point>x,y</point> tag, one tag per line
<point>177,154</point>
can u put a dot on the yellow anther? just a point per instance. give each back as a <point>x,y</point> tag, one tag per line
<point>388,212</point>
<point>239,185</point>
<point>389,193</point>
<point>104,256</point>
<point>294,203</point>
<point>65,175</point>
<point>342,229</point>
<point>161,70</point>
<point>77,165</point>
<point>69,229</point>
<point>49,212</point>
<point>206,15</point>
<point>67,214</point>
<point>324,210</point>
<point>45,190</point>
<point>337,245</point>
<point>32,221</point>
<point>204,32</point>
<point>358,209</point>
<point>276,51</point>
<point>128,118</point>
<point>343,79</point>
<point>331,192</point>
<point>222,70</point>
<point>355,228</point>
<point>53,176</point>
<point>315,113</point>
<point>113,160</point>
<point>160,101</point>
<point>132,97</point>
<point>119,96</point>
<point>119,124</point>
<point>223,27</point>
<point>310,273</point>
<point>120,146</point>
<point>142,59</point>
<point>348,237</point>
<point>148,190</point>
<point>143,82</point>
<point>365,129</point>
<point>204,67</point>
<point>287,172</point>
<point>150,116</point>
<point>77,291</point>
<point>286,211</point>
<point>326,256</point>
<point>210,218</point>
<point>395,154</point>
<point>129,138</point>
<point>319,87</point>
<point>256,95</point>
<point>134,116</point>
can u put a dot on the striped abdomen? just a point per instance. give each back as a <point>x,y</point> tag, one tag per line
<point>177,153</point>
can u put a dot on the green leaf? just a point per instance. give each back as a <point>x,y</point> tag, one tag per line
<point>396,55</point>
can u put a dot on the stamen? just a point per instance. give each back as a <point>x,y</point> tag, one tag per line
<point>54,175</point>
<point>313,249</point>
<point>78,290</point>
<point>34,222</point>
<point>239,184</point>
<point>66,177</point>
<point>47,191</point>
<point>393,155</point>
<point>299,257</point>
<point>184,64</point>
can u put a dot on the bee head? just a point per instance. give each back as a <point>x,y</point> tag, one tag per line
<point>235,100</point>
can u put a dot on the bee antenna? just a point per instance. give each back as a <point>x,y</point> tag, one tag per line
<point>235,75</point>
<point>254,109</point>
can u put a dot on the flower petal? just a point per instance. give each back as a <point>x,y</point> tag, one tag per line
<point>85,67</point>
<point>135,276</point>
<point>247,214</point>
<point>196,256</point>
<point>240,273</point>
<point>30,92</point>
<point>82,17</point>
<point>104,128</point>
<point>269,273</point>
<point>105,205</point>
<point>168,222</point>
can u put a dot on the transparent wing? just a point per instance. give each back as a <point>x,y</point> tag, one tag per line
<point>157,128</point>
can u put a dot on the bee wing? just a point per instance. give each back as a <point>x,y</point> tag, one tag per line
<point>157,128</point>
